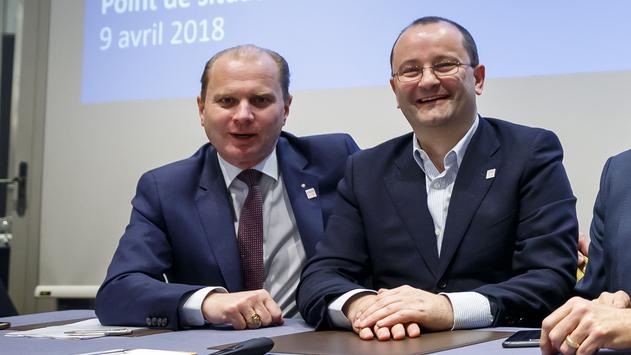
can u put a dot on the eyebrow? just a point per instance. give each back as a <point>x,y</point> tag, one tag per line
<point>435,60</point>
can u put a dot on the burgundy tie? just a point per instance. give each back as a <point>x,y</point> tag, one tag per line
<point>250,238</point>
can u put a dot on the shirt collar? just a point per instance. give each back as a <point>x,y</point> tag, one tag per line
<point>459,149</point>
<point>268,166</point>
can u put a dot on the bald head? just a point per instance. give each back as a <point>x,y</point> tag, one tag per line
<point>467,40</point>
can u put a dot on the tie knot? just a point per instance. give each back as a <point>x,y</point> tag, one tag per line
<point>250,176</point>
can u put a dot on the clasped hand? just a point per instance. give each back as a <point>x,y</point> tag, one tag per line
<point>399,312</point>
<point>590,325</point>
<point>240,308</point>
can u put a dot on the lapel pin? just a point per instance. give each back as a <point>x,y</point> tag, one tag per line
<point>311,193</point>
<point>303,185</point>
<point>490,173</point>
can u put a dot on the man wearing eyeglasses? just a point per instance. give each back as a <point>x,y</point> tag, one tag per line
<point>466,222</point>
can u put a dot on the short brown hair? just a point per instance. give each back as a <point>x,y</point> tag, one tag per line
<point>248,49</point>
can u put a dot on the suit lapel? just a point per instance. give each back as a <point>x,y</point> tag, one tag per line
<point>216,213</point>
<point>406,187</point>
<point>298,180</point>
<point>469,189</point>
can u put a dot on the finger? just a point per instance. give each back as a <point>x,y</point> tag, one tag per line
<point>545,344</point>
<point>403,316</point>
<point>382,333</point>
<point>379,310</point>
<point>253,322</point>
<point>264,314</point>
<point>583,244</point>
<point>274,310</point>
<point>397,331</point>
<point>549,327</point>
<point>578,336</point>
<point>237,320</point>
<point>366,334</point>
<point>581,259</point>
<point>621,299</point>
<point>605,298</point>
<point>590,345</point>
<point>369,308</point>
<point>247,311</point>
<point>413,330</point>
<point>356,305</point>
<point>570,325</point>
<point>569,349</point>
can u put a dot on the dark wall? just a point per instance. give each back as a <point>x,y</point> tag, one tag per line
<point>6,78</point>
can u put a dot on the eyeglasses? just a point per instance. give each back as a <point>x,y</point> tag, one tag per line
<point>414,73</point>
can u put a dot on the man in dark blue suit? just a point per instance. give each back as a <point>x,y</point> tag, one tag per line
<point>466,222</point>
<point>221,237</point>
<point>606,321</point>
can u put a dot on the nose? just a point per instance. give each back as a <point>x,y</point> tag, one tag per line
<point>428,79</point>
<point>243,112</point>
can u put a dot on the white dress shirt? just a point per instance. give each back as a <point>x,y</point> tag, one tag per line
<point>471,309</point>
<point>283,252</point>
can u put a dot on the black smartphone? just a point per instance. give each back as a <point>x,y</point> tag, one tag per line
<point>523,339</point>
<point>256,346</point>
<point>5,325</point>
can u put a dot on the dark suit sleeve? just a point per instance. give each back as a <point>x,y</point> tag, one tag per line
<point>544,256</point>
<point>351,145</point>
<point>595,280</point>
<point>134,291</point>
<point>341,262</point>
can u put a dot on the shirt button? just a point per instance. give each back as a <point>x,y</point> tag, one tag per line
<point>437,232</point>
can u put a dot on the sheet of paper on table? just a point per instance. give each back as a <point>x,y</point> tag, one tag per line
<point>86,329</point>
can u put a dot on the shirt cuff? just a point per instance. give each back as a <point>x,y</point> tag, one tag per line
<point>336,315</point>
<point>471,310</point>
<point>190,311</point>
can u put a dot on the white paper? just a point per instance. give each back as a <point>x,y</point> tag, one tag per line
<point>86,329</point>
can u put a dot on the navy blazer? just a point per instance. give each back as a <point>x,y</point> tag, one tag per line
<point>511,237</point>
<point>610,232</point>
<point>182,226</point>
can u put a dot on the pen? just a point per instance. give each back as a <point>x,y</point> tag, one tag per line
<point>113,351</point>
<point>99,332</point>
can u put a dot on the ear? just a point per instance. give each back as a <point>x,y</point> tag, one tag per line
<point>479,73</point>
<point>394,90</point>
<point>286,108</point>
<point>200,109</point>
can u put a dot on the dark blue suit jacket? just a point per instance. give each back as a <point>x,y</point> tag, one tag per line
<point>610,233</point>
<point>511,237</point>
<point>182,226</point>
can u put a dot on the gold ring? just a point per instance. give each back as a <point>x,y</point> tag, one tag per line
<point>255,320</point>
<point>571,343</point>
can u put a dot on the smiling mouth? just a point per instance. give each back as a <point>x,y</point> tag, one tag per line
<point>425,100</point>
<point>243,135</point>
